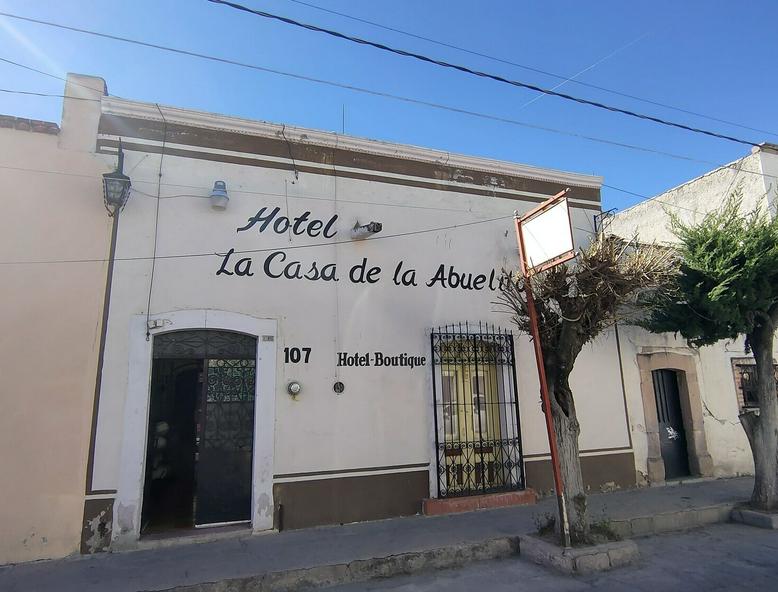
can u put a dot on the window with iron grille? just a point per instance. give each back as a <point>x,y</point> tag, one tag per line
<point>745,380</point>
<point>477,432</point>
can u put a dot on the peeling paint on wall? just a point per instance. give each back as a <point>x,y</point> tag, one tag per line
<point>97,526</point>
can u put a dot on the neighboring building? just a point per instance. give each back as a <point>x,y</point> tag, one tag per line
<point>51,321</point>
<point>699,392</point>
<point>260,363</point>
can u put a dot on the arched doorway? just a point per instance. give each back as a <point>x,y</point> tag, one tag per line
<point>200,430</point>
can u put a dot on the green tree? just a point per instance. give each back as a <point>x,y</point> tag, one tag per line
<point>727,286</point>
<point>575,303</point>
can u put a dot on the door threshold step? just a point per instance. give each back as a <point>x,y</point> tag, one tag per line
<point>455,505</point>
<point>192,535</point>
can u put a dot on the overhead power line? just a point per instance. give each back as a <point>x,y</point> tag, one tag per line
<point>40,94</point>
<point>562,77</point>
<point>334,84</point>
<point>480,73</point>
<point>369,92</point>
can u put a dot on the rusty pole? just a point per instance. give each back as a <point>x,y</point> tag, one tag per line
<point>535,333</point>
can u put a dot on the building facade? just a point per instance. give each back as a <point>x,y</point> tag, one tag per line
<point>684,402</point>
<point>281,328</point>
<point>371,373</point>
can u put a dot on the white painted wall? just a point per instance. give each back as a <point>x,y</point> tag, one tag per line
<point>382,419</point>
<point>692,200</point>
<point>755,175</point>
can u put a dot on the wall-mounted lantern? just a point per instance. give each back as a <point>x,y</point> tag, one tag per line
<point>219,197</point>
<point>116,186</point>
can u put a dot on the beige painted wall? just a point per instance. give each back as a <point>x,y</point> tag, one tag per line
<point>50,320</point>
<point>755,176</point>
<point>692,200</point>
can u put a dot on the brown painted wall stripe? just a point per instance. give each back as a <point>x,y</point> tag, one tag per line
<point>603,471</point>
<point>248,161</point>
<point>129,127</point>
<point>344,471</point>
<point>582,452</point>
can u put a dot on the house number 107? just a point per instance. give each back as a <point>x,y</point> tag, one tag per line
<point>297,354</point>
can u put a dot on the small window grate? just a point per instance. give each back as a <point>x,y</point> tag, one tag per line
<point>746,381</point>
<point>205,343</point>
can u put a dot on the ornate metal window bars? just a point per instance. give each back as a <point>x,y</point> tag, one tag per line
<point>477,427</point>
<point>205,343</point>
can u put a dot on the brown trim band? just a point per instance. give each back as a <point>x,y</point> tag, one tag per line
<point>248,161</point>
<point>344,471</point>
<point>143,129</point>
<point>600,473</point>
<point>582,452</point>
<point>342,500</point>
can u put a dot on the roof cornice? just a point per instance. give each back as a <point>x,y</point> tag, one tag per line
<point>202,119</point>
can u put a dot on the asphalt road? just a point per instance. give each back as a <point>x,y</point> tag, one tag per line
<point>721,557</point>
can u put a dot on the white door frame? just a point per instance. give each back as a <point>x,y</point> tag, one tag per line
<point>132,470</point>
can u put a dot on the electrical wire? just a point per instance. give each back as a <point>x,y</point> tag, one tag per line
<point>37,71</point>
<point>40,94</point>
<point>264,250</point>
<point>562,77</point>
<point>360,90</point>
<point>156,220</point>
<point>480,73</point>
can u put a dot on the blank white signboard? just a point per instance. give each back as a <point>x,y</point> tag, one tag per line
<point>548,235</point>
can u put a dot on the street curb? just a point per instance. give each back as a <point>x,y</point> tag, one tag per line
<point>755,518</point>
<point>672,521</point>
<point>581,560</point>
<point>361,570</point>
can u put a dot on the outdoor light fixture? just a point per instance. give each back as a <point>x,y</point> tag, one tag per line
<point>219,197</point>
<point>116,186</point>
<point>365,230</point>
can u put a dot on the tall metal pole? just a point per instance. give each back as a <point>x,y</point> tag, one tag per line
<point>535,332</point>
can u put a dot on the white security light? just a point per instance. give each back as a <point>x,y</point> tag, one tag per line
<point>219,197</point>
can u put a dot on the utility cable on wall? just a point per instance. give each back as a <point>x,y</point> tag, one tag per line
<point>156,221</point>
<point>264,250</point>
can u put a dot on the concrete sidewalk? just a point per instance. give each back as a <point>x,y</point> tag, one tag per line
<point>244,557</point>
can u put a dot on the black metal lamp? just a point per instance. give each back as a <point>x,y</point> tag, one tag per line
<point>116,186</point>
<point>116,189</point>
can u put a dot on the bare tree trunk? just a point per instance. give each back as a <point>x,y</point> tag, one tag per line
<point>762,429</point>
<point>567,432</point>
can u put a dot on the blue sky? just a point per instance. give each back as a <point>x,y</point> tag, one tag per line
<point>712,57</point>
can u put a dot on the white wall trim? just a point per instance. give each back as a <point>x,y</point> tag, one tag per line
<point>129,496</point>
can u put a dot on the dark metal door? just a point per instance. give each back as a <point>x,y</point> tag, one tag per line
<point>672,436</point>
<point>225,442</point>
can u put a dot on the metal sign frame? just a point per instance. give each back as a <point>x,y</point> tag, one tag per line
<point>535,333</point>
